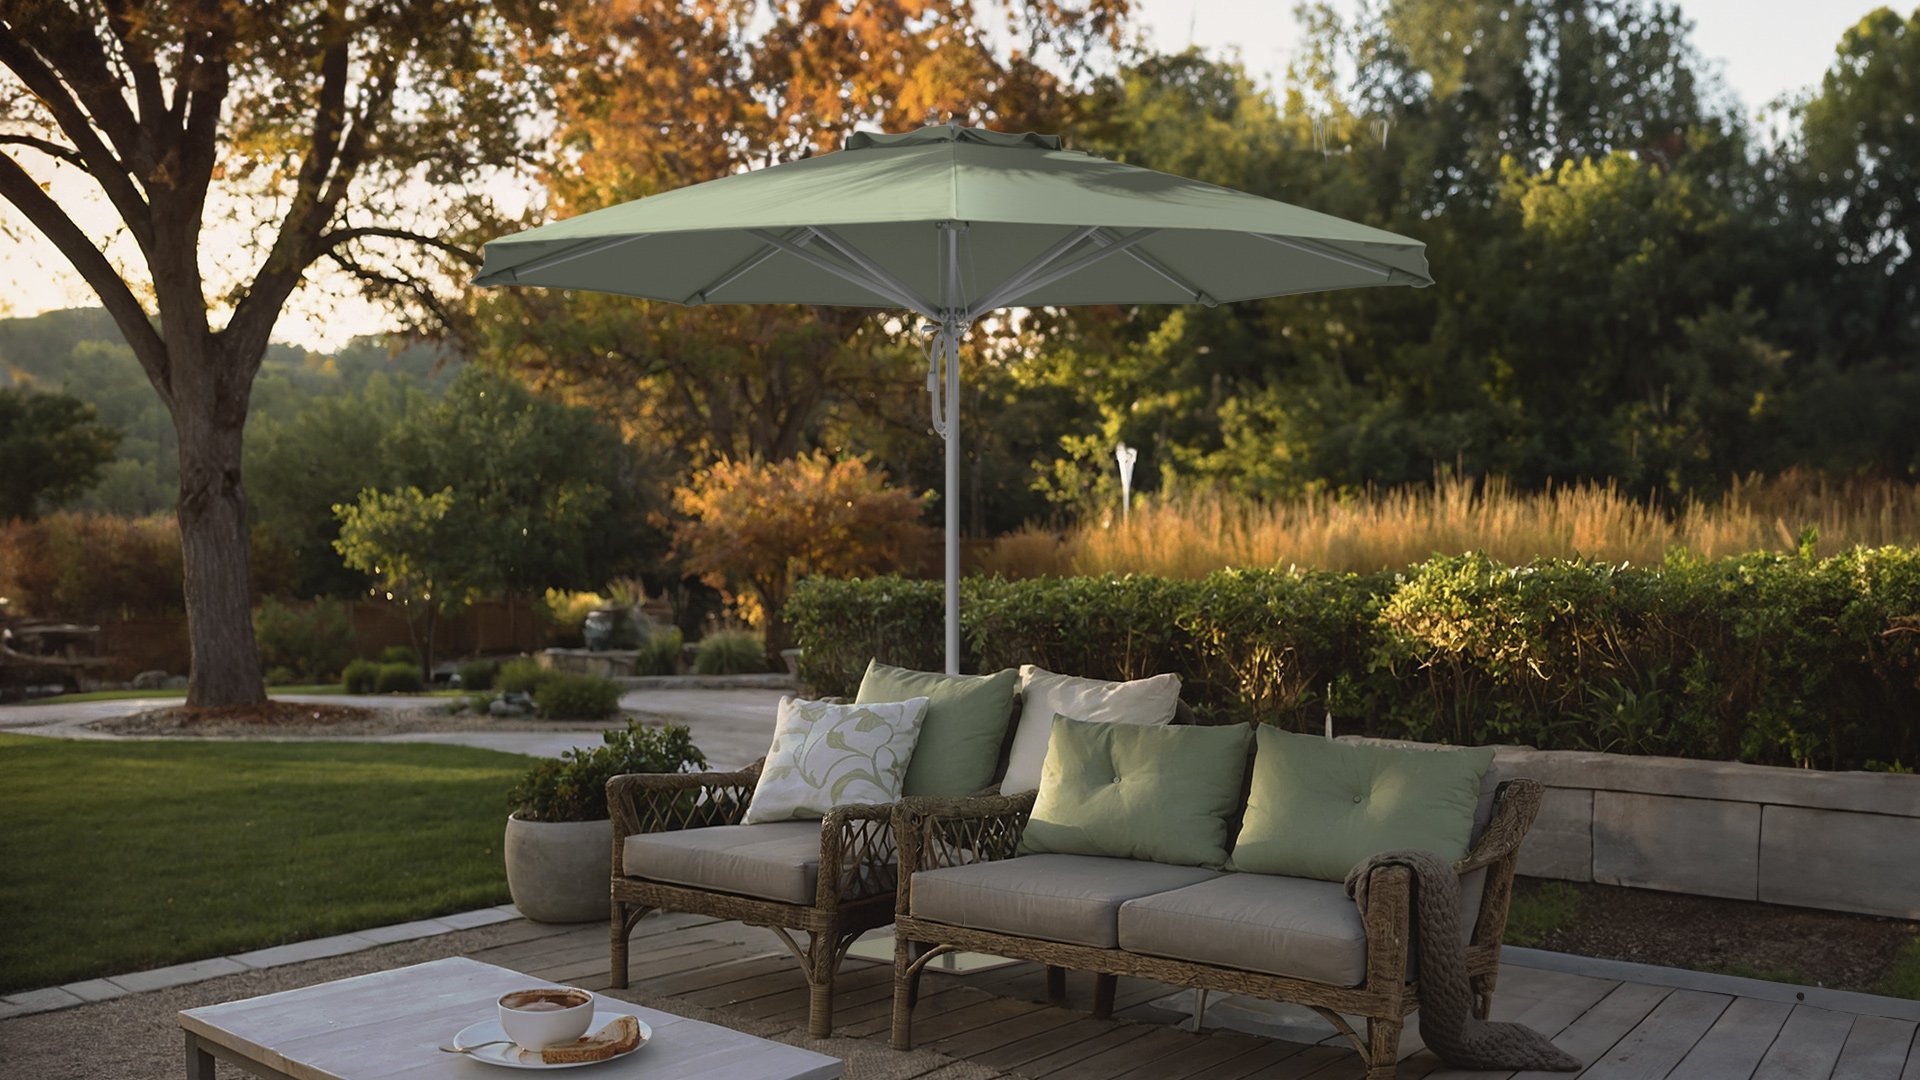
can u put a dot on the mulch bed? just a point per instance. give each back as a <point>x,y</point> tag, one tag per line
<point>288,719</point>
<point>1738,937</point>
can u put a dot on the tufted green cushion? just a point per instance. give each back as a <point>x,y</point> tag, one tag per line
<point>1320,807</point>
<point>1135,791</point>
<point>959,748</point>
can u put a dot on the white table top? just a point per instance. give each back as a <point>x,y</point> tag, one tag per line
<point>391,1024</point>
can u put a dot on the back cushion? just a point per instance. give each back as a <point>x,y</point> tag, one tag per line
<point>1044,695</point>
<point>959,748</point>
<point>1318,807</point>
<point>1133,791</point>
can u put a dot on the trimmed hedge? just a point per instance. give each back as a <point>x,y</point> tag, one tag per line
<point>1776,659</point>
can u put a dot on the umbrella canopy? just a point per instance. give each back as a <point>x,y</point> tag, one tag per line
<point>953,223</point>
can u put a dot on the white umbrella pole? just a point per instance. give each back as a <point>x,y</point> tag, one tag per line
<point>950,332</point>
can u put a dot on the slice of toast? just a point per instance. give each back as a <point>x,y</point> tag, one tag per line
<point>616,1038</point>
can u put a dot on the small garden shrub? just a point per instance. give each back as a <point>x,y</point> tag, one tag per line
<point>729,652</point>
<point>478,674</point>
<point>1767,658</point>
<point>521,676</point>
<point>400,654</point>
<point>577,697</point>
<point>574,788</point>
<point>659,654</point>
<point>359,677</point>
<point>311,641</point>
<point>280,676</point>
<point>397,679</point>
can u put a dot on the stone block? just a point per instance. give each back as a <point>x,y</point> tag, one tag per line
<point>1840,861</point>
<point>178,974</point>
<point>1705,846</point>
<point>467,920</point>
<point>1560,844</point>
<point>300,951</point>
<point>406,931</point>
<point>93,990</point>
<point>44,1000</point>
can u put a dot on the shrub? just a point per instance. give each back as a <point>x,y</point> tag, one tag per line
<point>360,677</point>
<point>397,679</point>
<point>567,611</point>
<point>660,654</point>
<point>91,566</point>
<point>478,674</point>
<point>729,652</point>
<point>1768,658</point>
<point>279,676</point>
<point>311,641</point>
<point>577,697</point>
<point>574,788</point>
<point>400,654</point>
<point>521,676</point>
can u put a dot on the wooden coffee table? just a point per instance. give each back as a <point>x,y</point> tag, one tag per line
<point>392,1024</point>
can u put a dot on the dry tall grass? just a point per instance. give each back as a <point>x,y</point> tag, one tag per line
<point>1193,536</point>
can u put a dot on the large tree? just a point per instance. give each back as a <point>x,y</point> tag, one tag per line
<point>236,145</point>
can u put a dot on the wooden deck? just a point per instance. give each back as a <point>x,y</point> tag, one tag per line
<point>998,1018</point>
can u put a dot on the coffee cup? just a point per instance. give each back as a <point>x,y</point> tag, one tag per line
<point>537,1019</point>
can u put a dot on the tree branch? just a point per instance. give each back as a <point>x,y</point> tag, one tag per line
<point>52,149</point>
<point>20,189</point>
<point>107,168</point>
<point>337,237</point>
<point>71,47</point>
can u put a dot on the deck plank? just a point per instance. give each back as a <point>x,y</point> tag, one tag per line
<point>1876,1049</point>
<point>1652,1049</point>
<point>1807,1047</point>
<point>1599,1028</point>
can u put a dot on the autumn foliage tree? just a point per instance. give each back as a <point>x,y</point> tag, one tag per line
<point>235,146</point>
<point>755,528</point>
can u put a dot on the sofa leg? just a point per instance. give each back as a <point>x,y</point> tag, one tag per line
<point>1483,995</point>
<point>1103,995</point>
<point>1056,985</point>
<point>906,992</point>
<point>822,958</point>
<point>1383,1048</point>
<point>622,928</point>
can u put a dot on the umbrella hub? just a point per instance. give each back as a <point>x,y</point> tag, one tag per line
<point>952,133</point>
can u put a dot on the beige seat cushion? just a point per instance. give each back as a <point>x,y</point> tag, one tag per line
<point>1069,898</point>
<point>777,860</point>
<point>1298,927</point>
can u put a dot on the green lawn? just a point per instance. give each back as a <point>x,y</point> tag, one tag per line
<point>125,695</point>
<point>126,855</point>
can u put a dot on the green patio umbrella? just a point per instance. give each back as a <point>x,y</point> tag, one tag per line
<point>952,223</point>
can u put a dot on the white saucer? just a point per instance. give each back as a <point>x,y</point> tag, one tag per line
<point>507,1054</point>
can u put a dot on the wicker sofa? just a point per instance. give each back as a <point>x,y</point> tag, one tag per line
<point>1266,936</point>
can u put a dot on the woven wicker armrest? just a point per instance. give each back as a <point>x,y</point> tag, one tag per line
<point>664,802</point>
<point>935,831</point>
<point>858,855</point>
<point>1515,804</point>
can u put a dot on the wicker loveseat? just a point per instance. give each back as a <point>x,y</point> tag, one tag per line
<point>680,844</point>
<point>1267,936</point>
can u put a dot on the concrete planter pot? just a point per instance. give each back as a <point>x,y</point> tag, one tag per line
<point>559,871</point>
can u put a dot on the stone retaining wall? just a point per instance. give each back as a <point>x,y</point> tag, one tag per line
<point>1840,841</point>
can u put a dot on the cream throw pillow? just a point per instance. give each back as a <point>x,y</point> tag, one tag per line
<point>826,755</point>
<point>1044,695</point>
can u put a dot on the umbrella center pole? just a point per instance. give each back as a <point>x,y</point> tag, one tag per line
<point>943,388</point>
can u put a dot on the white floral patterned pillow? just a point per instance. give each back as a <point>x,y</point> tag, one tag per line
<point>826,755</point>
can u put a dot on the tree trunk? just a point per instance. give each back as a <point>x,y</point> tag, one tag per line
<point>213,539</point>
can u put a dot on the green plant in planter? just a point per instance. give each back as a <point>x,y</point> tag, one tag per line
<point>574,788</point>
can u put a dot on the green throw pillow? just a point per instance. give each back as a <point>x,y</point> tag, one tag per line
<point>1319,808</point>
<point>1134,791</point>
<point>959,748</point>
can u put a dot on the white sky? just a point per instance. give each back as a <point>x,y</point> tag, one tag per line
<point>1765,49</point>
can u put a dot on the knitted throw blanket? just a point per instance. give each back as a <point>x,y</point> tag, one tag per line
<point>1447,1022</point>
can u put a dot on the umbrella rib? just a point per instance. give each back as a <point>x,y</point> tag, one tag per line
<point>879,273</point>
<point>1024,274</point>
<point>746,266</point>
<point>1105,236</point>
<point>1041,281</point>
<point>577,251</point>
<point>852,274</point>
<point>1358,262</point>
